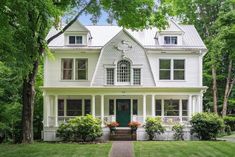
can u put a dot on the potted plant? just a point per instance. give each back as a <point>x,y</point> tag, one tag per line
<point>112,126</point>
<point>134,125</point>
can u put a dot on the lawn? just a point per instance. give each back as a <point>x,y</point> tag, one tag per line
<point>55,150</point>
<point>184,149</point>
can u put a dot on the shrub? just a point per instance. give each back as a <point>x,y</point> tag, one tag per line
<point>153,126</point>
<point>227,130</point>
<point>85,128</point>
<point>206,125</point>
<point>230,121</point>
<point>179,133</point>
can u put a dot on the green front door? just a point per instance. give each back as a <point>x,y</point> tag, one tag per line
<point>123,112</point>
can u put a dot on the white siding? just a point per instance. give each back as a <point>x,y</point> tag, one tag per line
<point>53,69</point>
<point>110,55</point>
<point>192,70</point>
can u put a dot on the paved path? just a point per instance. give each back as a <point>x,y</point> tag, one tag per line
<point>121,149</point>
<point>229,139</point>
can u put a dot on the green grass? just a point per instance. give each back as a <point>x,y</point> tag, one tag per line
<point>184,149</point>
<point>55,150</point>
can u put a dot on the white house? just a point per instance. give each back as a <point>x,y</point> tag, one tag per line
<point>117,74</point>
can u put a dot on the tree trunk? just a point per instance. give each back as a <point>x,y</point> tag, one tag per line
<point>214,89</point>
<point>28,105</point>
<point>228,88</point>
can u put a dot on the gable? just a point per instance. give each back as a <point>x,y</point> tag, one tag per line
<point>112,53</point>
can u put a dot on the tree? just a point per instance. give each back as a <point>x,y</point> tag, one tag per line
<point>28,22</point>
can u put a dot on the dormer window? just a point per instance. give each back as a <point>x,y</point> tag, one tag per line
<point>170,40</point>
<point>75,40</point>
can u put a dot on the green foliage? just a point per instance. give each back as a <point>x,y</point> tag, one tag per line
<point>153,126</point>
<point>85,128</point>
<point>206,125</point>
<point>179,133</point>
<point>230,121</point>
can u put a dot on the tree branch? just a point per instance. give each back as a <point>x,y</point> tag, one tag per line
<point>69,24</point>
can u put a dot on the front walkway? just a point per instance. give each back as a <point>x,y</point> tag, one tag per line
<point>121,149</point>
<point>230,138</point>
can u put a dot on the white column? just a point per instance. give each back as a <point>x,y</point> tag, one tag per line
<point>162,107</point>
<point>45,112</point>
<point>144,108</point>
<point>56,110</point>
<point>93,106</point>
<point>102,110</point>
<point>131,109</point>
<point>190,106</point>
<point>180,107</point>
<point>153,105</point>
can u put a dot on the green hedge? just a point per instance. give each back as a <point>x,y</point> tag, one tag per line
<point>230,121</point>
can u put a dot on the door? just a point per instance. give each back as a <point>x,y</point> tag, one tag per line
<point>123,112</point>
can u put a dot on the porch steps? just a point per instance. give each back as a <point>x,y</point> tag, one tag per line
<point>123,135</point>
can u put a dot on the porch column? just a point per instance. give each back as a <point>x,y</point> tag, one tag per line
<point>45,112</point>
<point>180,106</point>
<point>56,110</point>
<point>102,110</point>
<point>144,108</point>
<point>190,106</point>
<point>93,106</point>
<point>153,105</point>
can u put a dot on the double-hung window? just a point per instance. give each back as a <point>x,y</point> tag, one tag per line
<point>75,40</point>
<point>74,107</point>
<point>110,76</point>
<point>67,69</point>
<point>81,69</point>
<point>171,69</point>
<point>170,40</point>
<point>136,76</point>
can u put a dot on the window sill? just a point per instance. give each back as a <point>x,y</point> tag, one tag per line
<point>172,81</point>
<point>74,80</point>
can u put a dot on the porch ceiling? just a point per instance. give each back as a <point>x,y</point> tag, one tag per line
<point>122,89</point>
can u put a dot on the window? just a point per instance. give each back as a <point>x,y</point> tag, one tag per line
<point>184,107</point>
<point>67,69</point>
<point>75,39</point>
<point>123,71</point>
<point>171,107</point>
<point>158,107</point>
<point>110,76</point>
<point>169,68</point>
<point>111,107</point>
<point>170,40</point>
<point>87,106</point>
<point>74,107</point>
<point>135,106</point>
<point>60,107</point>
<point>179,69</point>
<point>81,69</point>
<point>136,76</point>
<point>165,69</point>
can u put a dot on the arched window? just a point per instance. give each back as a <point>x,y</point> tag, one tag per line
<point>123,71</point>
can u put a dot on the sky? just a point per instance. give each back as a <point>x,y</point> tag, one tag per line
<point>85,19</point>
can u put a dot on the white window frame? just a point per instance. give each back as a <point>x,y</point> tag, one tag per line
<point>76,69</point>
<point>106,76</point>
<point>170,36</point>
<point>172,69</point>
<point>133,76</point>
<point>76,40</point>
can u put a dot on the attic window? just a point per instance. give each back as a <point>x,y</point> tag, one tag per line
<point>75,39</point>
<point>171,40</point>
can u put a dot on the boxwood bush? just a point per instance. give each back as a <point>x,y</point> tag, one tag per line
<point>85,128</point>
<point>230,121</point>
<point>206,125</point>
<point>153,126</point>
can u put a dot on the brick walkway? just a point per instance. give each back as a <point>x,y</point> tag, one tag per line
<point>121,149</point>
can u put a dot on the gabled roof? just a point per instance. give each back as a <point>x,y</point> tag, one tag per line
<point>146,37</point>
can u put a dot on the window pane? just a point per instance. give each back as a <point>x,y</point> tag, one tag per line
<point>165,74</point>
<point>81,69</point>
<point>185,107</point>
<point>178,64</point>
<point>111,107</point>
<point>171,107</point>
<point>78,39</point>
<point>74,107</point>
<point>158,107</point>
<point>67,69</point>
<point>165,64</point>
<point>87,106</point>
<point>110,76</point>
<point>167,40</point>
<point>136,76</point>
<point>60,107</point>
<point>135,107</point>
<point>178,74</point>
<point>123,71</point>
<point>174,40</point>
<point>71,39</point>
